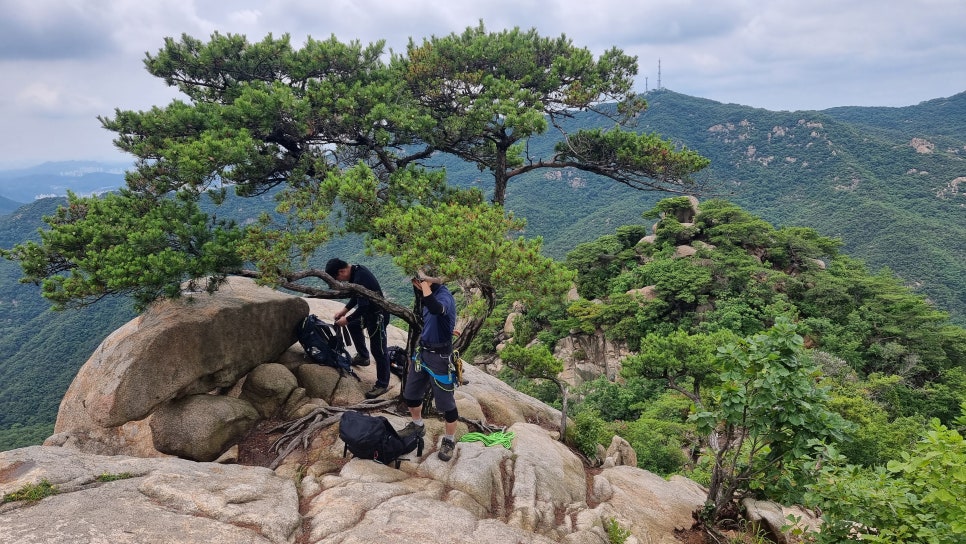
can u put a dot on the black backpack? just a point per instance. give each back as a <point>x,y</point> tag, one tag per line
<point>323,344</point>
<point>397,360</point>
<point>373,437</point>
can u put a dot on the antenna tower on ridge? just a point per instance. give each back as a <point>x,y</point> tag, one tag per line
<point>659,74</point>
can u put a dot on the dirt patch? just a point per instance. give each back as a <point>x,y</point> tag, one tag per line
<point>255,449</point>
<point>692,536</point>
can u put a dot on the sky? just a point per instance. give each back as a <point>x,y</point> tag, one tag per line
<point>63,63</point>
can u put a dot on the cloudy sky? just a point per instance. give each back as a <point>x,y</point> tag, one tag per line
<point>64,62</point>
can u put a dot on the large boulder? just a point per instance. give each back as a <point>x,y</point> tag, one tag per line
<point>174,349</point>
<point>652,508</point>
<point>201,427</point>
<point>268,387</point>
<point>772,519</point>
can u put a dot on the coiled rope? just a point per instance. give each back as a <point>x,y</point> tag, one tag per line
<point>497,438</point>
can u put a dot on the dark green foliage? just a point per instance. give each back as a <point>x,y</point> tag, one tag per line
<point>42,356</point>
<point>617,401</point>
<point>589,431</point>
<point>916,498</point>
<point>8,206</point>
<point>660,436</point>
<point>544,390</point>
<point>746,273</point>
<point>767,415</point>
<point>850,173</point>
<point>596,263</point>
<point>19,436</point>
<point>746,278</point>
<point>881,441</point>
<point>125,245</point>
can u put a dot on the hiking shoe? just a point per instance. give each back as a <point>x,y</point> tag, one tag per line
<point>376,391</point>
<point>359,360</point>
<point>446,449</point>
<point>412,429</point>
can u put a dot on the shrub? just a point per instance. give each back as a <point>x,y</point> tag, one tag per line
<point>615,533</point>
<point>589,431</point>
<point>32,492</point>
<point>917,499</point>
<point>658,444</point>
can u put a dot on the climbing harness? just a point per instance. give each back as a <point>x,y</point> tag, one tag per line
<point>448,381</point>
<point>442,380</point>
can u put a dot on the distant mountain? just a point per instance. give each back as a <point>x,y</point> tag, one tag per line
<point>7,205</point>
<point>56,178</point>
<point>889,182</point>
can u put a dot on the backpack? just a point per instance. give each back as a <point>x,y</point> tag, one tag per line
<point>324,345</point>
<point>397,360</point>
<point>373,437</point>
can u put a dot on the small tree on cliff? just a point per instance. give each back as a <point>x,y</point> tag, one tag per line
<point>341,138</point>
<point>757,405</point>
<point>537,362</point>
<point>765,417</point>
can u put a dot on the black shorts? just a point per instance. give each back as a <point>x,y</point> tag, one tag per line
<point>417,382</point>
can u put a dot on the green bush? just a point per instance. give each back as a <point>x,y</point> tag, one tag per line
<point>543,390</point>
<point>916,499</point>
<point>615,533</point>
<point>617,401</point>
<point>589,431</point>
<point>32,492</point>
<point>658,444</point>
<point>110,477</point>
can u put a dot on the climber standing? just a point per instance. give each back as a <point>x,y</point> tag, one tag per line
<point>433,365</point>
<point>365,315</point>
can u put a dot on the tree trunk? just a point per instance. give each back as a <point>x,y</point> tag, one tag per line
<point>474,324</point>
<point>500,175</point>
<point>563,409</point>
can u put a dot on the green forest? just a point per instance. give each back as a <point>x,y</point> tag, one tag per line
<point>847,388</point>
<point>767,361</point>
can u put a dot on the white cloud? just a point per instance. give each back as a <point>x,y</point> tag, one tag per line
<point>50,100</point>
<point>76,59</point>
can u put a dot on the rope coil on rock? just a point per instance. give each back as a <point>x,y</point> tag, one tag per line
<point>500,438</point>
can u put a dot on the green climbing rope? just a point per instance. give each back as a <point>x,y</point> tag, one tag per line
<point>498,438</point>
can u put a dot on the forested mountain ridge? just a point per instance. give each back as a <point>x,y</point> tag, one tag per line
<point>8,206</point>
<point>859,174</point>
<point>40,350</point>
<point>889,182</point>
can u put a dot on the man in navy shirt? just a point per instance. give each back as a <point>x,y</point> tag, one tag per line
<point>433,367</point>
<point>367,315</point>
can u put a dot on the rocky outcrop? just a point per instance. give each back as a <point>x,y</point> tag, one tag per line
<point>536,491</point>
<point>174,350</point>
<point>772,519</point>
<point>201,427</point>
<point>134,500</point>
<point>184,347</point>
<point>587,356</point>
